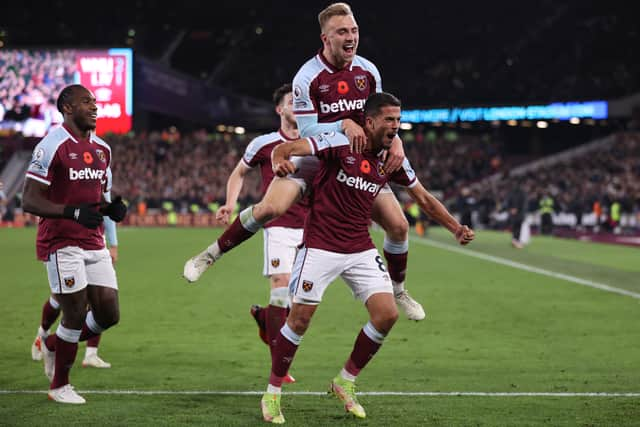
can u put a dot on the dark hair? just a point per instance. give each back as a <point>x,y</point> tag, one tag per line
<point>279,93</point>
<point>378,100</point>
<point>65,96</point>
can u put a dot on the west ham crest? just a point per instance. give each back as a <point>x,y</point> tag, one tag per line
<point>69,281</point>
<point>101,155</point>
<point>307,285</point>
<point>275,262</point>
<point>361,82</point>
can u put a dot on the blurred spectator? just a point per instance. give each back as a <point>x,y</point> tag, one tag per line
<point>516,204</point>
<point>30,80</point>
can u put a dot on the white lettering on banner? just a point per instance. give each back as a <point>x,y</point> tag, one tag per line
<point>100,64</point>
<point>357,182</point>
<point>111,111</point>
<point>86,173</point>
<point>342,105</point>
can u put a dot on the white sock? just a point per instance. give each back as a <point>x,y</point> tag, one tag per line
<point>91,351</point>
<point>398,287</point>
<point>42,333</point>
<point>279,297</point>
<point>347,376</point>
<point>214,250</point>
<point>273,389</point>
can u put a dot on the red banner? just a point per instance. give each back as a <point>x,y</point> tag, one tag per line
<point>107,73</point>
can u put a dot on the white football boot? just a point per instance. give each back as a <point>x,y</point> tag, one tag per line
<point>411,307</point>
<point>196,266</point>
<point>66,394</point>
<point>94,361</point>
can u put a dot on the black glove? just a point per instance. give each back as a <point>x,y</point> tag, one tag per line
<point>85,214</point>
<point>116,210</point>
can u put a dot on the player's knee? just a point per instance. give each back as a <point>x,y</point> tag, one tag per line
<point>299,324</point>
<point>398,229</point>
<point>108,317</point>
<point>266,211</point>
<point>279,281</point>
<point>384,320</point>
<point>73,317</point>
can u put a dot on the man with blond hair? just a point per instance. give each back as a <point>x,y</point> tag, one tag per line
<point>329,92</point>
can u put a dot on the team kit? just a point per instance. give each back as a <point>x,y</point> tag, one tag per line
<point>326,175</point>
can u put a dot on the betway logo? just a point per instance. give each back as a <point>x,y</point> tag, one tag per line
<point>86,173</point>
<point>357,182</point>
<point>342,105</point>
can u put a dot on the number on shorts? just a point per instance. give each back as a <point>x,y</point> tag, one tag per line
<point>381,264</point>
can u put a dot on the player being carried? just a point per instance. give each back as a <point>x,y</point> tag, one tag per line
<point>337,243</point>
<point>329,92</point>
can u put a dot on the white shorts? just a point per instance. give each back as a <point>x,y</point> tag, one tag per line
<point>364,272</point>
<point>71,269</point>
<point>280,248</point>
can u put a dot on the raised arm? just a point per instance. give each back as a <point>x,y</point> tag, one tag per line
<point>436,210</point>
<point>280,155</point>
<point>234,186</point>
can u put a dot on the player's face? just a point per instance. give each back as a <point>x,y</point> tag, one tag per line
<point>84,109</point>
<point>340,39</point>
<point>285,109</point>
<point>384,127</point>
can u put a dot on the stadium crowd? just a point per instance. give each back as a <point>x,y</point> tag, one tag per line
<point>604,182</point>
<point>31,81</point>
<point>190,172</point>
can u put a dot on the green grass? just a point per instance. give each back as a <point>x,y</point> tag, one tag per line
<point>490,328</point>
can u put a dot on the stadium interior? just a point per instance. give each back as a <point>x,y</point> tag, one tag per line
<point>498,98</point>
<point>196,95</point>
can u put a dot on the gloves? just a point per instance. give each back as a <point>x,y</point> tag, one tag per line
<point>116,210</point>
<point>85,214</point>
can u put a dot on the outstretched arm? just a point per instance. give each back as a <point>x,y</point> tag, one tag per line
<point>280,155</point>
<point>234,186</point>
<point>436,210</point>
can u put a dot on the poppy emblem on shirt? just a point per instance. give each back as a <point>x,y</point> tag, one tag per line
<point>101,156</point>
<point>365,167</point>
<point>343,87</point>
<point>87,157</point>
<point>275,262</point>
<point>361,82</point>
<point>69,281</point>
<point>307,285</point>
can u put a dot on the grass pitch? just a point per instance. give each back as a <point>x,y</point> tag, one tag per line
<point>491,328</point>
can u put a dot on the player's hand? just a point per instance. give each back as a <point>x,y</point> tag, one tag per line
<point>113,251</point>
<point>116,210</point>
<point>284,168</point>
<point>464,235</point>
<point>85,214</point>
<point>356,135</point>
<point>394,156</point>
<point>224,214</point>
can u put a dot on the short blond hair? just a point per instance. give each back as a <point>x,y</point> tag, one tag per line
<point>334,9</point>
